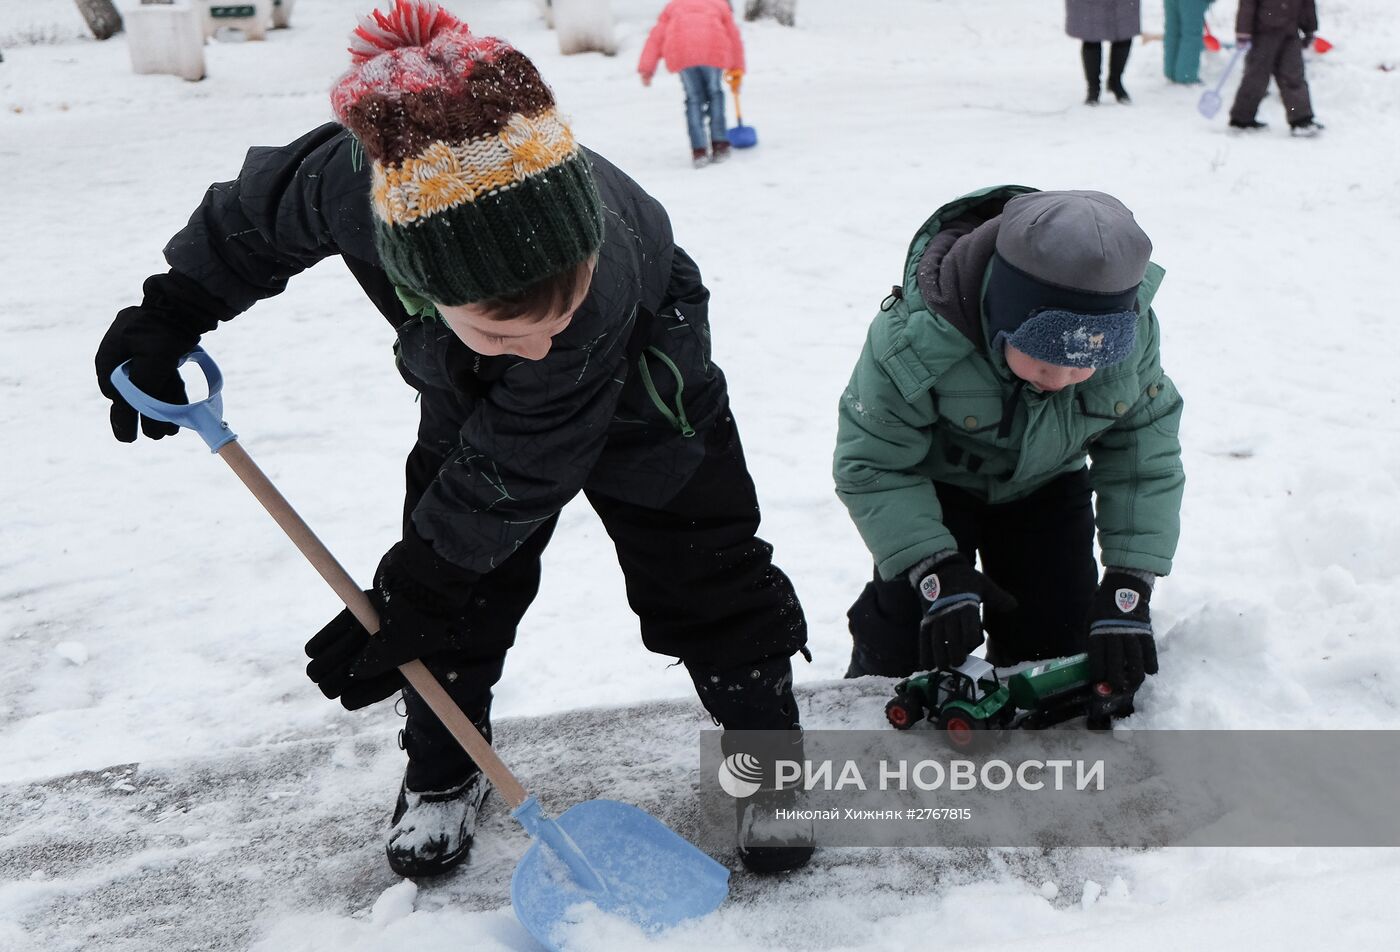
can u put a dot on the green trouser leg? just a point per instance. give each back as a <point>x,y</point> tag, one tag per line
<point>1171,38</point>
<point>1183,58</point>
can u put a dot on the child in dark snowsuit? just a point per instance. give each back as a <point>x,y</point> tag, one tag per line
<point>1275,32</point>
<point>559,340</point>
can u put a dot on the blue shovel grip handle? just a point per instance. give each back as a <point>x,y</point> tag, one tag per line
<point>205,417</point>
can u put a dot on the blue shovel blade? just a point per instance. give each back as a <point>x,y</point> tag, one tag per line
<point>1210,103</point>
<point>743,137</point>
<point>649,874</point>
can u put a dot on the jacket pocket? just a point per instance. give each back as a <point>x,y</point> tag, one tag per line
<point>971,413</point>
<point>1110,401</point>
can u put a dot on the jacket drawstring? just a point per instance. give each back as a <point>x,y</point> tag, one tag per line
<point>1008,410</point>
<point>678,418</point>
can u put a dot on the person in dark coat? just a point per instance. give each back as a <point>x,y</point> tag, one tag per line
<point>559,341</point>
<point>1275,33</point>
<point>1096,22</point>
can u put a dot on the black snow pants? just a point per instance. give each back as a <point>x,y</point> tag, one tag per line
<point>700,580</point>
<point>1279,55</point>
<point>1039,548</point>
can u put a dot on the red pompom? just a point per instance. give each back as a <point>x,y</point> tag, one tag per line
<point>408,23</point>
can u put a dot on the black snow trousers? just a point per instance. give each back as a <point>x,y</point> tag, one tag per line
<point>1279,55</point>
<point>1039,548</point>
<point>698,577</point>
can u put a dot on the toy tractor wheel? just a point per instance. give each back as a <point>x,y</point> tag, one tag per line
<point>903,712</point>
<point>964,732</point>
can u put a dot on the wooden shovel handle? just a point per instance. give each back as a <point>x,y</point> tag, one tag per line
<point>415,672</point>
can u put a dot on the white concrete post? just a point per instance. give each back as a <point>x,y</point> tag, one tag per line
<point>282,14</point>
<point>165,39</point>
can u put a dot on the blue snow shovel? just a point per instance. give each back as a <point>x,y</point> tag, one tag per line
<point>1210,99</point>
<point>600,853</point>
<point>741,136</point>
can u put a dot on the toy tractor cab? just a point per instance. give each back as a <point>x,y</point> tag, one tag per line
<point>966,701</point>
<point>961,702</point>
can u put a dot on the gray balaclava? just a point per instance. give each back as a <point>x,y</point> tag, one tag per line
<point>1064,278</point>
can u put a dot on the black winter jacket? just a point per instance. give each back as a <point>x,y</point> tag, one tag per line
<point>619,406</point>
<point>1276,16</point>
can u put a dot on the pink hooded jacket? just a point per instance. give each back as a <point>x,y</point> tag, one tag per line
<point>693,33</point>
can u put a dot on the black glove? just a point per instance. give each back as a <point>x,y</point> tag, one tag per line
<point>1307,40</point>
<point>1121,649</point>
<point>154,336</point>
<point>422,602</point>
<point>953,592</point>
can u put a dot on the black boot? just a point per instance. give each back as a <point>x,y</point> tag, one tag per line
<point>769,842</point>
<point>1117,62</point>
<point>442,790</point>
<point>758,697</point>
<point>1092,56</point>
<point>433,831</point>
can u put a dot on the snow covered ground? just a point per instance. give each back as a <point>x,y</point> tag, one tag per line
<point>168,778</point>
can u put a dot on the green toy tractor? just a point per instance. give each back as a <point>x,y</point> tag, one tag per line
<point>970,702</point>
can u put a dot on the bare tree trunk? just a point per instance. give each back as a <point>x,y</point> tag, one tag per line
<point>102,17</point>
<point>584,26</point>
<point>784,11</point>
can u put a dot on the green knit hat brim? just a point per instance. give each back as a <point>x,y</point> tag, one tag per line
<point>502,242</point>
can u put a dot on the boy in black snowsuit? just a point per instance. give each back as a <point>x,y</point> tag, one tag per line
<point>1275,33</point>
<point>560,343</point>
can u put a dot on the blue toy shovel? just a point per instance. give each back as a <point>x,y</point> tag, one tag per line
<point>741,136</point>
<point>598,854</point>
<point>1210,99</point>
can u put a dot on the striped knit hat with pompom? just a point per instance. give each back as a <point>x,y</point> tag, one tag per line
<point>479,187</point>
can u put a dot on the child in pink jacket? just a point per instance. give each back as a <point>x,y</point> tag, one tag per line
<point>700,40</point>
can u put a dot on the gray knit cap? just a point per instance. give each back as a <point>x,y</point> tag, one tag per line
<point>1087,241</point>
<point>1063,282</point>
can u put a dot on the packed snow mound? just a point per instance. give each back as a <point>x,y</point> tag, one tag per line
<point>280,848</point>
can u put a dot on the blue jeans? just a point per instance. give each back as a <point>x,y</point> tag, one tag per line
<point>704,96</point>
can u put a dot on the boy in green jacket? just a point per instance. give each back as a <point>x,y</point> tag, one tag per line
<point>1020,345</point>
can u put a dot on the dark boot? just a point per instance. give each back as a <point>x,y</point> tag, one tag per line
<point>433,830</point>
<point>767,843</point>
<point>435,816</point>
<point>1092,56</point>
<point>1249,125</point>
<point>1117,62</point>
<point>719,150</point>
<point>758,697</point>
<point>699,158</point>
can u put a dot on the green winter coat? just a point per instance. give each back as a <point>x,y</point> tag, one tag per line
<point>928,401</point>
